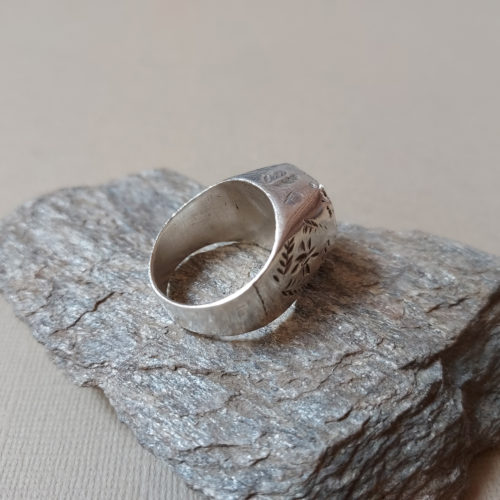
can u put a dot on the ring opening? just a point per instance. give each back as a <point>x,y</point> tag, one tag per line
<point>233,211</point>
<point>215,272</point>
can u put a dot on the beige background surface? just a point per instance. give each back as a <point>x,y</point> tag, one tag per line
<point>393,104</point>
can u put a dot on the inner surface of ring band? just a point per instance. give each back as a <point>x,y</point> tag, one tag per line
<point>231,211</point>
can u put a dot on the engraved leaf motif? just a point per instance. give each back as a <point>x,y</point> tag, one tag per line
<point>299,252</point>
<point>286,259</point>
<point>326,200</point>
<point>310,225</point>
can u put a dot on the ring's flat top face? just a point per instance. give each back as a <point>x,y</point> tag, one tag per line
<point>279,208</point>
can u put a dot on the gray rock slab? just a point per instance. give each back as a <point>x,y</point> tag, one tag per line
<point>382,381</point>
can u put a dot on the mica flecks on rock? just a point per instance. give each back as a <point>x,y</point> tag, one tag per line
<point>380,382</point>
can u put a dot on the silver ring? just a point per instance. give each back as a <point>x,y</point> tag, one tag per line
<point>280,208</point>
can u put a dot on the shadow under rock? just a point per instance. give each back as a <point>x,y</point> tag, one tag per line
<point>346,275</point>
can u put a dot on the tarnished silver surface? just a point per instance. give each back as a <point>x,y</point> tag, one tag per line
<point>382,382</point>
<point>279,208</point>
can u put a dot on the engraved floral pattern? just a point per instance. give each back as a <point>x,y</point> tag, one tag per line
<point>286,260</point>
<point>326,200</point>
<point>310,225</point>
<point>308,252</point>
<point>302,251</point>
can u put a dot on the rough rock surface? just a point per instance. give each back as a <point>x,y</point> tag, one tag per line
<point>382,381</point>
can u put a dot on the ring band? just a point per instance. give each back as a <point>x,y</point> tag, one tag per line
<point>280,208</point>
